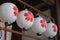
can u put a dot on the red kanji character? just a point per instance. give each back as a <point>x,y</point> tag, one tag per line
<point>29,16</point>
<point>43,23</point>
<point>54,28</point>
<point>15,11</point>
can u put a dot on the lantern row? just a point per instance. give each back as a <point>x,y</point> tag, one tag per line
<point>25,20</point>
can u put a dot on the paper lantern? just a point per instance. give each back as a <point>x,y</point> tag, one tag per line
<point>51,30</point>
<point>1,34</point>
<point>39,25</point>
<point>8,12</point>
<point>25,19</point>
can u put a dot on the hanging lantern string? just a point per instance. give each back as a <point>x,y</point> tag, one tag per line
<point>19,33</point>
<point>40,12</point>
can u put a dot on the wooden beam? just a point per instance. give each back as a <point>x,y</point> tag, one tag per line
<point>39,5</point>
<point>58,17</point>
<point>35,9</point>
<point>50,2</point>
<point>20,33</point>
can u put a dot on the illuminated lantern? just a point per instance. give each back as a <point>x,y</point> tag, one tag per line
<point>39,25</point>
<point>25,19</point>
<point>51,30</point>
<point>8,12</point>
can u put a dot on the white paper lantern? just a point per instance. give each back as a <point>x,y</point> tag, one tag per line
<point>25,19</point>
<point>39,25</point>
<point>8,12</point>
<point>51,30</point>
<point>1,35</point>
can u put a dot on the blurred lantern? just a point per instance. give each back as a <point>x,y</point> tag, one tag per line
<point>51,30</point>
<point>8,12</point>
<point>39,25</point>
<point>25,19</point>
<point>1,35</point>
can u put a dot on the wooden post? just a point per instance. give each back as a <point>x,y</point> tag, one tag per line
<point>58,17</point>
<point>15,36</point>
